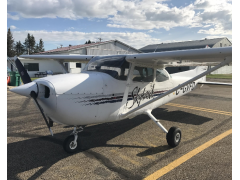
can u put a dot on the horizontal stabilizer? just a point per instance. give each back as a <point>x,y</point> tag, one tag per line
<point>216,84</point>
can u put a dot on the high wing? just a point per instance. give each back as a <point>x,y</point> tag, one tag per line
<point>208,56</point>
<point>62,58</point>
<point>162,59</point>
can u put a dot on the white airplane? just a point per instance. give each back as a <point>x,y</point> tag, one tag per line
<point>115,87</point>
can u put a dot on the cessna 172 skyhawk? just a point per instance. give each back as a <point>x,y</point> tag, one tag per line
<point>115,87</point>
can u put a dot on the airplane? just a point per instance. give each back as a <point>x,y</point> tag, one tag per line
<point>115,87</point>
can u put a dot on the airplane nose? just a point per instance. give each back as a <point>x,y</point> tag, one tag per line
<point>25,89</point>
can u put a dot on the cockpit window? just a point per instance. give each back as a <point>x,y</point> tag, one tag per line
<point>115,66</point>
<point>161,75</point>
<point>143,74</point>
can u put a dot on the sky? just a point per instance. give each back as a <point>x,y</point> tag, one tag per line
<point>137,23</point>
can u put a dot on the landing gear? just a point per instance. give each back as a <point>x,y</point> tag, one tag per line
<point>174,136</point>
<point>71,144</point>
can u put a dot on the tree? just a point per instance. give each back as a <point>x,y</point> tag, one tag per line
<point>36,49</point>
<point>41,45</point>
<point>26,43</point>
<point>32,44</point>
<point>29,44</point>
<point>19,48</point>
<point>89,42</point>
<point>10,44</point>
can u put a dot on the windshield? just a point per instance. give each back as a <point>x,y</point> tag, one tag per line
<point>115,66</point>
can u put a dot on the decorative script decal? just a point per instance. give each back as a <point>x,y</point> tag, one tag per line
<point>137,98</point>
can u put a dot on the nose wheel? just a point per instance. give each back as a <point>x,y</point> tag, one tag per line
<point>71,144</point>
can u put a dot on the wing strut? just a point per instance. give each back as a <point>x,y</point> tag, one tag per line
<point>156,121</point>
<point>226,61</point>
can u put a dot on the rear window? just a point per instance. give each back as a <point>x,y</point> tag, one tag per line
<point>172,70</point>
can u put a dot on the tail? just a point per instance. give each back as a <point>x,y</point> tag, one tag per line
<point>191,72</point>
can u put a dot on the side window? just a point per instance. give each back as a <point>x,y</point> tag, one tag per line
<point>143,74</point>
<point>31,66</point>
<point>161,75</point>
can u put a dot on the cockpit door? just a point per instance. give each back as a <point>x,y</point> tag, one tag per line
<point>142,87</point>
<point>163,82</point>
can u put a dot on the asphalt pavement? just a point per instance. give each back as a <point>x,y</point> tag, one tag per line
<point>128,149</point>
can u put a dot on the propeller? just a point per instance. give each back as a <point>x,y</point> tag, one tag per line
<point>26,79</point>
<point>22,71</point>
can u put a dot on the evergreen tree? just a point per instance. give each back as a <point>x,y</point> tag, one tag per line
<point>10,44</point>
<point>26,43</point>
<point>36,49</point>
<point>30,44</point>
<point>89,42</point>
<point>41,45</point>
<point>19,48</point>
<point>86,42</point>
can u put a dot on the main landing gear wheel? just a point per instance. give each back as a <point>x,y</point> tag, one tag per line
<point>69,145</point>
<point>174,136</point>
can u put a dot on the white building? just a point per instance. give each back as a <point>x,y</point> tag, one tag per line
<point>111,47</point>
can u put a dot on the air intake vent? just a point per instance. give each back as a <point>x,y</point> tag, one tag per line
<point>47,92</point>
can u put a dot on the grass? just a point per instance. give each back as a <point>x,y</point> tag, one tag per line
<point>33,79</point>
<point>220,76</point>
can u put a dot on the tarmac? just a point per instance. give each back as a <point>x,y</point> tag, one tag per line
<point>128,149</point>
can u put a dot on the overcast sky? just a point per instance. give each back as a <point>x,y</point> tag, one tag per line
<point>134,22</point>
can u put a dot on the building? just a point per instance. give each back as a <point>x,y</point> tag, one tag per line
<point>112,47</point>
<point>197,44</point>
<point>211,43</point>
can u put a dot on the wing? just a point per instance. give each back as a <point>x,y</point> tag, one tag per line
<point>207,56</point>
<point>221,55</point>
<point>62,58</point>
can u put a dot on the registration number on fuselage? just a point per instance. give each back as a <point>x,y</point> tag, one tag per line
<point>186,88</point>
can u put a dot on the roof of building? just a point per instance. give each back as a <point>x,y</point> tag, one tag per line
<point>181,45</point>
<point>69,48</point>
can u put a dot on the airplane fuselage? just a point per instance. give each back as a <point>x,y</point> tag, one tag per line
<point>95,97</point>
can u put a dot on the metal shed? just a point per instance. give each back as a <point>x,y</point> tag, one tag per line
<point>197,44</point>
<point>212,43</point>
<point>111,47</point>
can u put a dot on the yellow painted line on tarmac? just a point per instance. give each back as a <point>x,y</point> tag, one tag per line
<point>186,157</point>
<point>200,109</point>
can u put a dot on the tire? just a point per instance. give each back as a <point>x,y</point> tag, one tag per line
<point>68,144</point>
<point>174,136</point>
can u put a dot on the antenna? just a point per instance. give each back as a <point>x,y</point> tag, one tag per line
<point>127,49</point>
<point>100,39</point>
<point>156,47</point>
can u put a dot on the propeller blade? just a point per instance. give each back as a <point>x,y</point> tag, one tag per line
<point>26,79</point>
<point>22,71</point>
<point>33,94</point>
